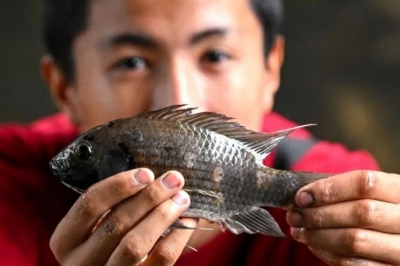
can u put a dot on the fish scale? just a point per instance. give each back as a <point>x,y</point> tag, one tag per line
<point>220,160</point>
<point>204,177</point>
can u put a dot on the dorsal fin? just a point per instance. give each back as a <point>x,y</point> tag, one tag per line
<point>261,143</point>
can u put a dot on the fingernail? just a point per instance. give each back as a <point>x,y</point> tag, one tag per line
<point>295,219</point>
<point>304,199</point>
<point>170,181</point>
<point>180,198</point>
<point>141,177</point>
<point>295,232</point>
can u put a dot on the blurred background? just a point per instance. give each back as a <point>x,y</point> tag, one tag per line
<point>342,70</point>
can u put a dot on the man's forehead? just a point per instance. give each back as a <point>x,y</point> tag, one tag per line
<point>170,17</point>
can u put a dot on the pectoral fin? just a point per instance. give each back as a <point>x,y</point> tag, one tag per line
<point>179,225</point>
<point>256,220</point>
<point>210,194</point>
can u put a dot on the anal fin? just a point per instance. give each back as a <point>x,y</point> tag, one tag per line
<point>177,224</point>
<point>166,232</point>
<point>256,220</point>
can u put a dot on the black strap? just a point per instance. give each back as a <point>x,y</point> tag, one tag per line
<point>289,151</point>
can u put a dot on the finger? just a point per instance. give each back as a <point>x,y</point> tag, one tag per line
<point>367,214</point>
<point>350,186</point>
<point>360,243</point>
<point>140,240</point>
<point>168,249</point>
<point>93,203</point>
<point>333,259</point>
<point>128,214</point>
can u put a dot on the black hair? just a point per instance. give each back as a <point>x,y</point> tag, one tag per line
<point>64,20</point>
<point>270,15</point>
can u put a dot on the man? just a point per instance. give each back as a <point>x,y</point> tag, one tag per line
<point>113,59</point>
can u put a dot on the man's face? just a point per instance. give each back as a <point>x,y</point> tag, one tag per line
<point>138,55</point>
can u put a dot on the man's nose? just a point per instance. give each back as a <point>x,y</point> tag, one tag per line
<point>181,88</point>
<point>180,85</point>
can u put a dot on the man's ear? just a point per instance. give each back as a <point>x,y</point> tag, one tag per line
<point>273,66</point>
<point>61,89</point>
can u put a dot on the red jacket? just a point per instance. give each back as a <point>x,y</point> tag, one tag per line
<point>32,202</point>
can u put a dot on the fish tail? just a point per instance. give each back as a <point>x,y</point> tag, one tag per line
<point>276,188</point>
<point>279,187</point>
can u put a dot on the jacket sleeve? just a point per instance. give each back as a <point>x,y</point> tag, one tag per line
<point>330,157</point>
<point>31,203</point>
<point>23,236</point>
<point>22,233</point>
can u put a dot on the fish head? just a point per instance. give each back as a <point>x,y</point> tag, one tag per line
<point>76,165</point>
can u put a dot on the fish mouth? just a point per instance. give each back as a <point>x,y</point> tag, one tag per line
<point>60,167</point>
<point>61,163</point>
<point>80,191</point>
<point>55,167</point>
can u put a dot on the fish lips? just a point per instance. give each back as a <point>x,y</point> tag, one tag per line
<point>63,174</point>
<point>69,176</point>
<point>60,168</point>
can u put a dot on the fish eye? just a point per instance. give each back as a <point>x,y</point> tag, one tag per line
<point>83,151</point>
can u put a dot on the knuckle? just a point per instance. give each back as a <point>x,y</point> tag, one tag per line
<point>53,244</point>
<point>319,218</point>
<point>152,197</point>
<point>367,183</point>
<point>356,241</point>
<point>162,214</point>
<point>114,226</point>
<point>132,250</point>
<point>366,211</point>
<point>54,247</point>
<point>62,257</point>
<point>165,255</point>
<point>327,193</point>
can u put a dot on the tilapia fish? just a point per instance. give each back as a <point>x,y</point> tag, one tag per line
<point>220,160</point>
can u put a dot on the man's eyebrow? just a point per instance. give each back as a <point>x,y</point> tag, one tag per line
<point>135,39</point>
<point>208,33</point>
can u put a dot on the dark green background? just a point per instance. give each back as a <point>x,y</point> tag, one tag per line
<point>342,70</point>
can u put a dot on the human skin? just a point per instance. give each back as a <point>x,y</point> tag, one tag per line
<point>350,219</point>
<point>136,56</point>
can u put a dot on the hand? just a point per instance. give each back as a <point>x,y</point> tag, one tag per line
<point>350,219</point>
<point>141,210</point>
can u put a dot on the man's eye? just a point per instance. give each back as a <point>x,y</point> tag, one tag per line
<point>216,56</point>
<point>132,63</point>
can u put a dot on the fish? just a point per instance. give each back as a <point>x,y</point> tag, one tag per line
<point>220,160</point>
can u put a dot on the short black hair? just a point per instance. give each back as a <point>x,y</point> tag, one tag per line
<point>64,20</point>
<point>270,14</point>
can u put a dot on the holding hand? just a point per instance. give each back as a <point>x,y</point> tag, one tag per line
<point>350,219</point>
<point>141,210</point>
